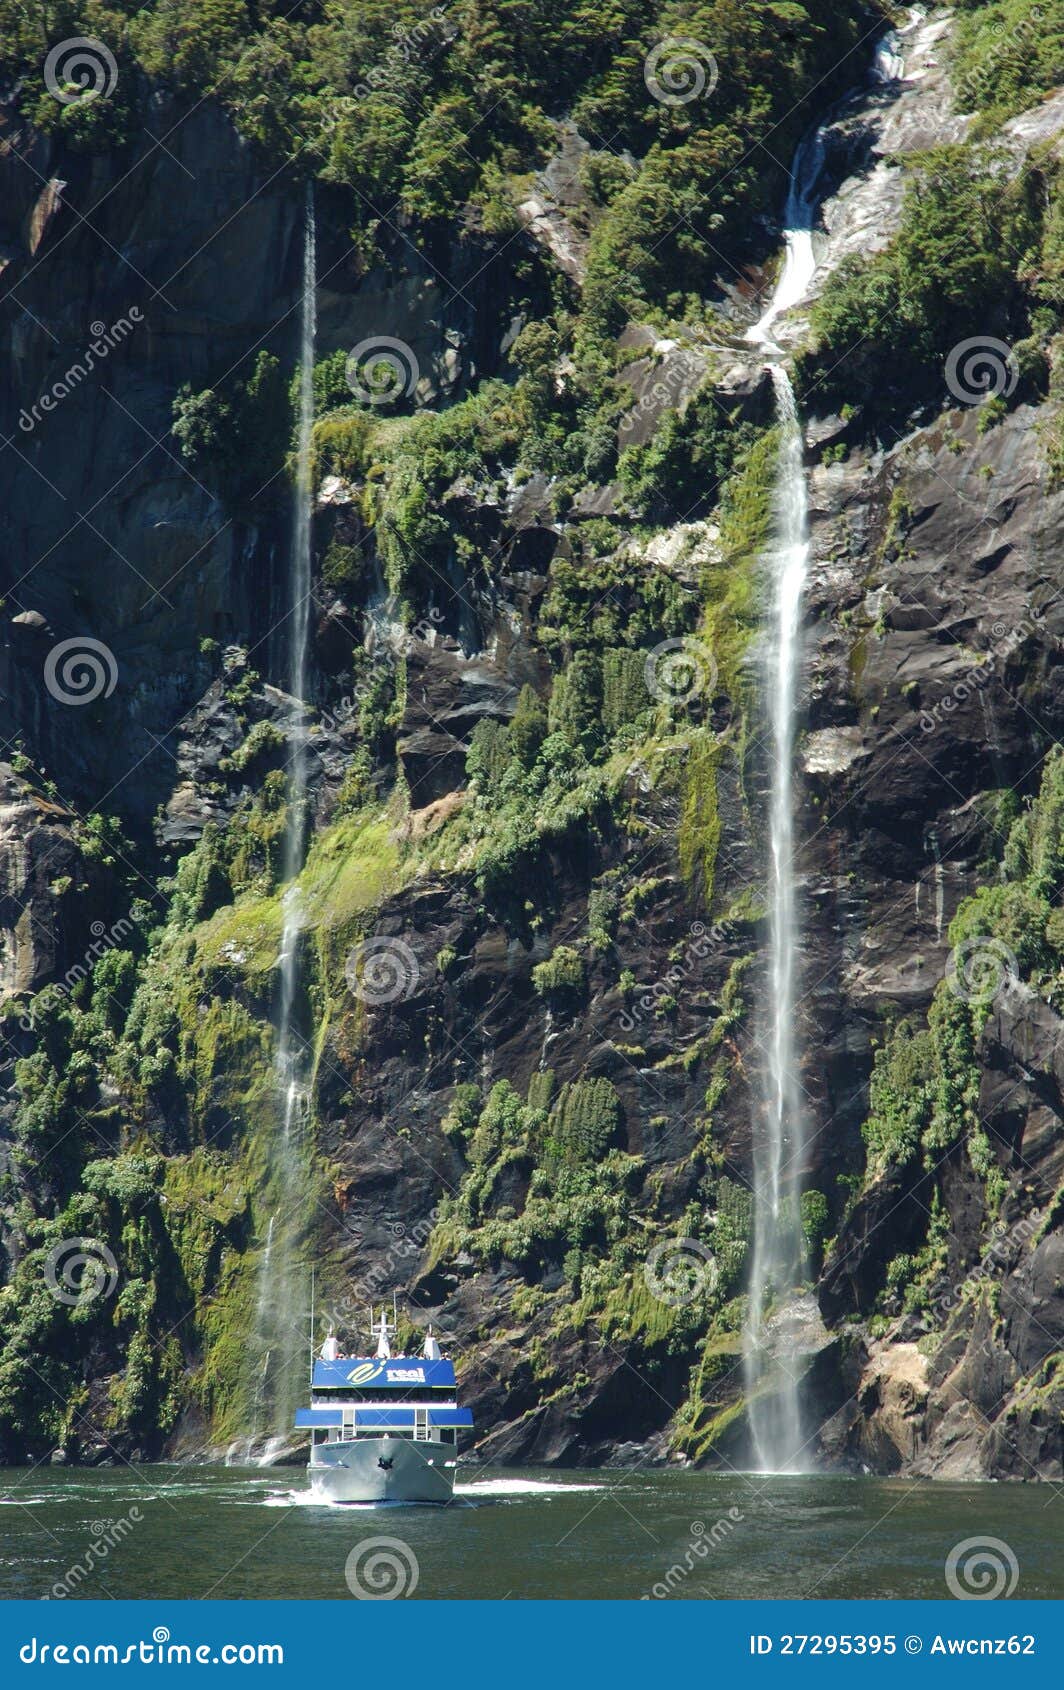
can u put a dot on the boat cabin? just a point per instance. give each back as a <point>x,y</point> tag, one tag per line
<point>370,1396</point>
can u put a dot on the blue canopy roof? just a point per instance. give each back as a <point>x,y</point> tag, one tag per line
<point>397,1419</point>
<point>399,1371</point>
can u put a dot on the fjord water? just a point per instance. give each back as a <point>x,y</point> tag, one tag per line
<point>223,1532</point>
<point>281,1312</point>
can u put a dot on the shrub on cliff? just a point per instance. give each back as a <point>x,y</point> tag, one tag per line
<point>885,326</point>
<point>1006,53</point>
<point>235,438</point>
<point>561,980</point>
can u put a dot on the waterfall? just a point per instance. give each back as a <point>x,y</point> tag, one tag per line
<point>771,1337</point>
<point>281,1308</point>
<point>778,1254</point>
<point>799,257</point>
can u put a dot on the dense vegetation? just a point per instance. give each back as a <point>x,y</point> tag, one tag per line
<point>979,255</point>
<point>145,1098</point>
<point>1007,54</point>
<point>924,1100</point>
<point>980,251</point>
<point>387,101</point>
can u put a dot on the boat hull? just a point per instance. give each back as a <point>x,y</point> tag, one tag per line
<point>382,1470</point>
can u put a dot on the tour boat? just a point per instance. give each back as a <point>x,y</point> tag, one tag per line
<point>383,1428</point>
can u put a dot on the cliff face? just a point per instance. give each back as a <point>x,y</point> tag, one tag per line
<point>169,264</point>
<point>533,1117</point>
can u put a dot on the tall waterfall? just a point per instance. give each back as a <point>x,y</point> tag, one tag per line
<point>770,1373</point>
<point>771,1354</point>
<point>281,1313</point>
<point>778,1255</point>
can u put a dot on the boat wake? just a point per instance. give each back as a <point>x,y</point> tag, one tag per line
<point>478,1490</point>
<point>519,1487</point>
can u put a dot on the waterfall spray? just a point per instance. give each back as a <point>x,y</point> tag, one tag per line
<point>280,1313</point>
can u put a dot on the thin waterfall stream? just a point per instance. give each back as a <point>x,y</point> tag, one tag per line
<point>771,1346</point>
<point>281,1307</point>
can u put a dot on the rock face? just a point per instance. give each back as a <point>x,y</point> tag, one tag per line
<point>39,862</point>
<point>140,274</point>
<point>934,617</point>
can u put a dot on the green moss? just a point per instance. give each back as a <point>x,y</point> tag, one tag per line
<point>263,744</point>
<point>585,1120</point>
<point>243,938</point>
<point>730,584</point>
<point>342,443</point>
<point>900,1097</point>
<point>350,868</point>
<point>630,1312</point>
<point>714,1403</point>
<point>699,838</point>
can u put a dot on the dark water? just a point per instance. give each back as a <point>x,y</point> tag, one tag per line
<point>232,1532</point>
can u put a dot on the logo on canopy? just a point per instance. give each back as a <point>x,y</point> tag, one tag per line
<point>364,1372</point>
